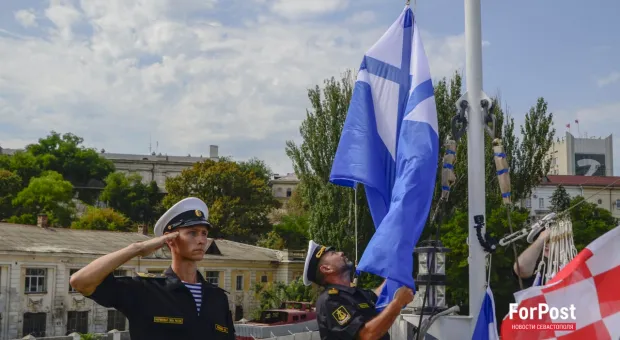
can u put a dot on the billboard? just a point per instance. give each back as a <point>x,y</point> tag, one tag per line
<point>590,164</point>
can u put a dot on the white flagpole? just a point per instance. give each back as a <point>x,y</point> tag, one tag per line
<point>475,154</point>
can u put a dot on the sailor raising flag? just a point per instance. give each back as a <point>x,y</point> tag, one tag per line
<point>390,145</point>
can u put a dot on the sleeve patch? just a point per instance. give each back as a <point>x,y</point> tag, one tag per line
<point>332,291</point>
<point>341,315</point>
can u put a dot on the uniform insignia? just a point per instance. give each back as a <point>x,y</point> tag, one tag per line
<point>221,328</point>
<point>341,315</point>
<point>198,213</point>
<point>149,275</point>
<point>169,227</point>
<point>320,252</point>
<point>168,320</point>
<point>364,305</point>
<point>332,291</point>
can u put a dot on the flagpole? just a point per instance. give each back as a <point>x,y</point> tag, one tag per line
<point>475,154</point>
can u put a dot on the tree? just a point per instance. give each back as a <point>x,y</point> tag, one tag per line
<point>128,195</point>
<point>560,199</point>
<point>79,165</point>
<point>272,295</point>
<point>23,164</point>
<point>102,219</point>
<point>49,194</point>
<point>239,200</point>
<point>290,233</point>
<point>589,221</point>
<point>10,185</point>
<point>330,207</point>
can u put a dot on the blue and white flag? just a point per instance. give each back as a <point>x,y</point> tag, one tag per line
<point>390,144</point>
<point>486,326</point>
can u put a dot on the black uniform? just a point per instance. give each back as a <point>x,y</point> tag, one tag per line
<point>342,311</point>
<point>162,307</point>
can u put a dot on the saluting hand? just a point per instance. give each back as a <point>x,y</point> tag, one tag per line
<point>148,247</point>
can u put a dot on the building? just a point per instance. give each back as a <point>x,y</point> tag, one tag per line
<point>283,187</point>
<point>36,263</point>
<point>153,167</point>
<point>156,167</point>
<point>602,191</point>
<point>582,156</point>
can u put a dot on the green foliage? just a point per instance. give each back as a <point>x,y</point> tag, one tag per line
<point>102,219</point>
<point>272,295</point>
<point>10,185</point>
<point>66,155</point>
<point>589,221</point>
<point>560,199</point>
<point>329,207</point>
<point>239,197</point>
<point>49,194</point>
<point>128,195</point>
<point>290,233</point>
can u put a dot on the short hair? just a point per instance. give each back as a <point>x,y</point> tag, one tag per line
<point>319,277</point>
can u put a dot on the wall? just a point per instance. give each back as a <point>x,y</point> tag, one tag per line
<point>57,300</point>
<point>565,152</point>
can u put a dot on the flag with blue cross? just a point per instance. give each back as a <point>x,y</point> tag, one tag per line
<point>390,145</point>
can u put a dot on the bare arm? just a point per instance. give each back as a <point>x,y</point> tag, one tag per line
<point>377,327</point>
<point>88,278</point>
<point>527,259</point>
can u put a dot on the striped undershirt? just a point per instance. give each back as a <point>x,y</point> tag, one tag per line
<point>195,289</point>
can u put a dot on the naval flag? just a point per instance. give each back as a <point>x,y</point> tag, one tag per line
<point>486,326</point>
<point>390,144</point>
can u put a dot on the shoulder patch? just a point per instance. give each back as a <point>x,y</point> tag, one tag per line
<point>150,275</point>
<point>342,315</point>
<point>332,291</point>
<point>364,305</point>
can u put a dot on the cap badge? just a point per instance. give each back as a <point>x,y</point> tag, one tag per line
<point>198,213</point>
<point>320,252</point>
<point>169,227</point>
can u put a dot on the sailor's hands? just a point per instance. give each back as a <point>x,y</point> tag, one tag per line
<point>544,235</point>
<point>403,295</point>
<point>146,248</point>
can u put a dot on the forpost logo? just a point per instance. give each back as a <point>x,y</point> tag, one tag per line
<point>543,317</point>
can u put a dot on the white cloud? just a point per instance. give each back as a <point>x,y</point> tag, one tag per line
<point>26,18</point>
<point>155,68</point>
<point>609,79</point>
<point>301,8</point>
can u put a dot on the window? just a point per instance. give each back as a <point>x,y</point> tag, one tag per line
<point>119,272</point>
<point>213,277</point>
<point>617,204</point>
<point>238,312</point>
<point>289,192</point>
<point>116,320</point>
<point>239,285</point>
<point>34,324</point>
<point>77,322</point>
<point>71,272</point>
<point>528,202</point>
<point>263,279</point>
<point>541,203</point>
<point>35,280</point>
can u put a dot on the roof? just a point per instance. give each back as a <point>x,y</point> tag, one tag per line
<point>586,181</point>
<point>33,239</point>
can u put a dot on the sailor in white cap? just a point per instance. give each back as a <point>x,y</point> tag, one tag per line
<point>343,311</point>
<point>178,304</point>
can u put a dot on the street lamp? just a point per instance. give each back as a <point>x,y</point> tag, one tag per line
<point>431,274</point>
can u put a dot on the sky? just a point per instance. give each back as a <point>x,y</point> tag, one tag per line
<point>179,75</point>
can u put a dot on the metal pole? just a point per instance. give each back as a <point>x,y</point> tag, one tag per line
<point>475,154</point>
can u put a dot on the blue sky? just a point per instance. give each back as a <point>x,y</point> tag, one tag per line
<point>189,73</point>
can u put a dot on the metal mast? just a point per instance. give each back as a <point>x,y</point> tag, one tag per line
<point>475,153</point>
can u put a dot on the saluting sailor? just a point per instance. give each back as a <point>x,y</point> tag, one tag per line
<point>179,304</point>
<point>343,311</point>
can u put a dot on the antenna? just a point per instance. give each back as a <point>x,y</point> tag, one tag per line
<point>150,144</point>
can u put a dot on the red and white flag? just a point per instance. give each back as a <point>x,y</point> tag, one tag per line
<point>581,302</point>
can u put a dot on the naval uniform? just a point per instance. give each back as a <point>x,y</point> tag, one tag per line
<point>162,307</point>
<point>342,312</point>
